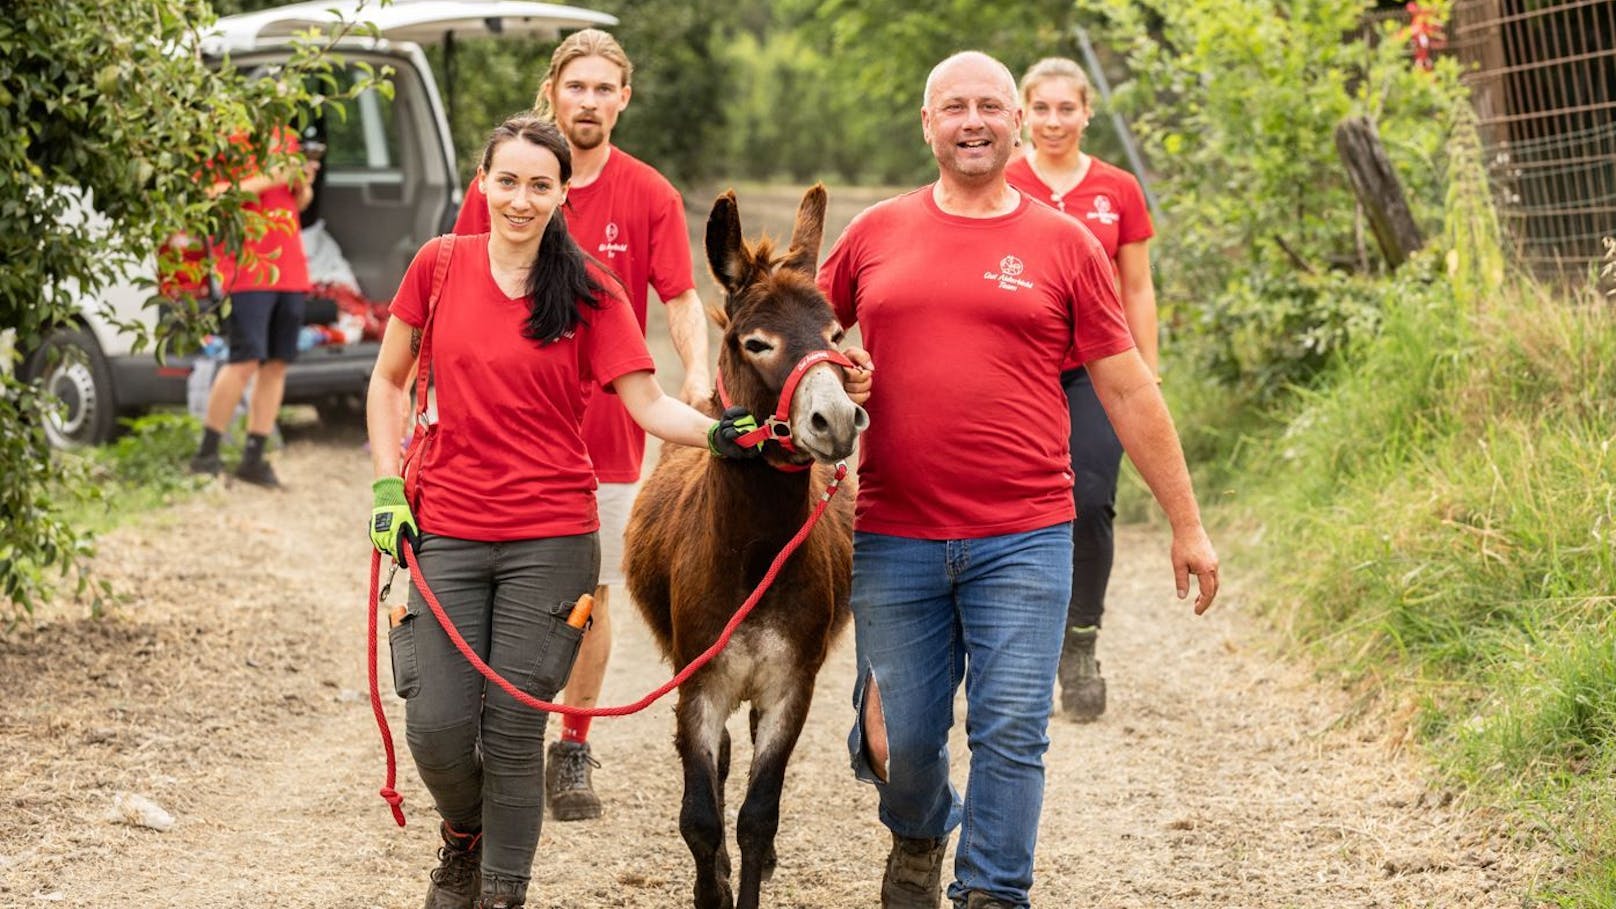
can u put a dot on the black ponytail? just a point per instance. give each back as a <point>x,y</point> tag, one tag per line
<point>559,284</point>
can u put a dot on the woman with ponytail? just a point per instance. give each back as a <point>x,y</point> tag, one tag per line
<point>514,328</point>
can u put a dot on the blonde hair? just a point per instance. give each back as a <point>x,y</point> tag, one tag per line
<point>1057,68</point>
<point>591,42</point>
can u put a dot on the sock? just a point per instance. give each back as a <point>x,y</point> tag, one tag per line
<point>254,450</point>
<point>210,443</point>
<point>575,728</point>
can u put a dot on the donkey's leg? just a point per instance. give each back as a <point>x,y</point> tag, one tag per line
<point>701,818</point>
<point>774,736</point>
<point>722,861</point>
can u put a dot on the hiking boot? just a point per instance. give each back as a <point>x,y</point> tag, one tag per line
<point>502,893</point>
<point>458,878</point>
<point>569,773</point>
<point>1082,688</point>
<point>258,473</point>
<point>914,875</point>
<point>207,465</point>
<point>976,899</point>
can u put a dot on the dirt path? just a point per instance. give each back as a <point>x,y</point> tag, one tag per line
<point>229,690</point>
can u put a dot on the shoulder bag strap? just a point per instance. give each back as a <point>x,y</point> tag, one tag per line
<point>423,365</point>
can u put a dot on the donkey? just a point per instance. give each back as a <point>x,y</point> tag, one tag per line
<point>704,531</point>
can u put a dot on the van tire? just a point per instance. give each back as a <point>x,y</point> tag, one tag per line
<point>70,366</point>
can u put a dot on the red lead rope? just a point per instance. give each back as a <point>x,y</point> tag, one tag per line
<point>396,801</point>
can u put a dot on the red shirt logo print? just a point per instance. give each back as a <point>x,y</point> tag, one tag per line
<point>611,247</point>
<point>1102,211</point>
<point>1008,277</point>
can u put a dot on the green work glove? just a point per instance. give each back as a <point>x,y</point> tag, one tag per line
<point>721,438</point>
<point>391,524</point>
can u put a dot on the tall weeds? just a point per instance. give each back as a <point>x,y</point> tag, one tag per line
<point>1440,524</point>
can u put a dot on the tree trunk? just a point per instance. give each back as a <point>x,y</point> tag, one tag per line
<point>1378,189</point>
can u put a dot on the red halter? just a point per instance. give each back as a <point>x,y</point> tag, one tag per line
<point>778,425</point>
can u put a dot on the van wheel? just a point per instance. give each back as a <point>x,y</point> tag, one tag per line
<point>70,367</point>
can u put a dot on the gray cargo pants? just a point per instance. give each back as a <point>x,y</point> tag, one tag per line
<point>479,752</point>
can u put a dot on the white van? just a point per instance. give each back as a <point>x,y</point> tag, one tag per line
<point>388,184</point>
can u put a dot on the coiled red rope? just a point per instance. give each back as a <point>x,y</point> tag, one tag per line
<point>390,794</point>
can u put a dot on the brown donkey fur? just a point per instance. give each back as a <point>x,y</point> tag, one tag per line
<point>704,531</point>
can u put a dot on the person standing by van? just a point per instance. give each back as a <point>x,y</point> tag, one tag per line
<point>266,287</point>
<point>630,218</point>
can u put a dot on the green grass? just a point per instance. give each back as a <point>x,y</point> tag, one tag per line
<point>144,468</point>
<point>1437,521</point>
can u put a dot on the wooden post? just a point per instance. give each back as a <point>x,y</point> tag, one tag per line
<point>1378,189</point>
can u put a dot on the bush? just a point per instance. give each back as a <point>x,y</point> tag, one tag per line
<point>1262,248</point>
<point>93,179</point>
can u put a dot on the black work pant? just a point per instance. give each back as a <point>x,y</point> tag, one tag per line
<point>1096,459</point>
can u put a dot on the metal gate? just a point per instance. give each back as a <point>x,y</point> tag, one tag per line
<point>1542,76</point>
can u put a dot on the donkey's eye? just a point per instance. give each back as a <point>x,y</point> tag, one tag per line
<point>837,337</point>
<point>758,347</point>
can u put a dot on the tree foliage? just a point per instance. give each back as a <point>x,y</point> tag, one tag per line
<point>681,74</point>
<point>111,116</point>
<point>1262,249</point>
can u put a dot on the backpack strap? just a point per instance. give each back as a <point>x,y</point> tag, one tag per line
<point>421,439</point>
<point>423,366</point>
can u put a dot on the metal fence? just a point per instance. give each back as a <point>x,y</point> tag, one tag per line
<point>1543,81</point>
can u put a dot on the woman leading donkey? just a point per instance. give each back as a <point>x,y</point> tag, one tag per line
<point>515,328</point>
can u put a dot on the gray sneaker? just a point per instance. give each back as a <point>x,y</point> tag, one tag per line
<point>1082,687</point>
<point>914,875</point>
<point>458,877</point>
<point>569,788</point>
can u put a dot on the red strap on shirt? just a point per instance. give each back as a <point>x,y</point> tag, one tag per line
<point>419,441</point>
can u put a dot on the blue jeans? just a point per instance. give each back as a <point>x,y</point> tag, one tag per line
<point>989,611</point>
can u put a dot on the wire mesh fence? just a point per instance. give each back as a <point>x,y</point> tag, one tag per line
<point>1542,76</point>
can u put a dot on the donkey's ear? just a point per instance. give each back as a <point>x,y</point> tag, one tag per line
<point>726,254</point>
<point>807,233</point>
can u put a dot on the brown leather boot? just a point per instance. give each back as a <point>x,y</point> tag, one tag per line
<point>976,899</point>
<point>1082,688</point>
<point>569,782</point>
<point>913,879</point>
<point>458,877</point>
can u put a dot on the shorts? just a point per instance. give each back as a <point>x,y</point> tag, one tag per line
<point>615,501</point>
<point>263,325</point>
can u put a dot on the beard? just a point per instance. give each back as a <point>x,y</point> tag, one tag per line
<point>585,136</point>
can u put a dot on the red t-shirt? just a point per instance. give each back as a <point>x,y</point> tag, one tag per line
<point>280,249</point>
<point>633,220</point>
<point>509,462</point>
<point>1108,201</point>
<point>968,321</point>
